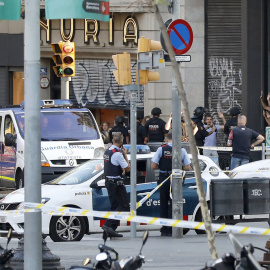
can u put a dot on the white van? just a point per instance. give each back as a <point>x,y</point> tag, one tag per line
<point>69,137</point>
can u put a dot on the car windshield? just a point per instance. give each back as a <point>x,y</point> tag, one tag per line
<point>64,126</point>
<point>80,174</point>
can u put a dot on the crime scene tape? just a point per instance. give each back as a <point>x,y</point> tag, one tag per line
<point>220,148</point>
<point>144,199</point>
<point>125,216</point>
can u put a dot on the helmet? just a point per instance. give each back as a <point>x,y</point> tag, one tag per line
<point>199,111</point>
<point>119,120</point>
<point>156,111</point>
<point>235,111</point>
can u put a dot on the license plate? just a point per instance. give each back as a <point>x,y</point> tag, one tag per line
<point>3,219</point>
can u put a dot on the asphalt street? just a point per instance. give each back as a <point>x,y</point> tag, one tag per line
<point>190,252</point>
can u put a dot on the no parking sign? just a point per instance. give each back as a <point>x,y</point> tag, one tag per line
<point>181,36</point>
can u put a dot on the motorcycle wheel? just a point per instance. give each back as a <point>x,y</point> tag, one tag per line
<point>67,228</point>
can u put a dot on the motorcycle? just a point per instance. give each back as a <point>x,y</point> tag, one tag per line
<point>6,254</point>
<point>246,261</point>
<point>107,259</point>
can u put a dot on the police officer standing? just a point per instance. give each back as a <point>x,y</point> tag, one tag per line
<point>232,122</point>
<point>115,165</point>
<point>201,132</point>
<point>119,129</point>
<point>141,131</point>
<point>162,160</point>
<point>155,127</point>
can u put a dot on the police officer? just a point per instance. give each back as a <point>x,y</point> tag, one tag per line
<point>201,132</point>
<point>162,160</point>
<point>155,127</point>
<point>232,122</point>
<point>141,131</point>
<point>115,165</point>
<point>119,129</point>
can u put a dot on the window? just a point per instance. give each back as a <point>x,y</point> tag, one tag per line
<point>9,126</point>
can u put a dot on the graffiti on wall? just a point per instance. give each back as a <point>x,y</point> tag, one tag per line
<point>94,85</point>
<point>224,85</point>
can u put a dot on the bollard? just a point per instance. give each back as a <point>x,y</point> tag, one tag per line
<point>49,260</point>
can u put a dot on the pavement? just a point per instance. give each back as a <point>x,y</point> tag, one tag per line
<point>189,252</point>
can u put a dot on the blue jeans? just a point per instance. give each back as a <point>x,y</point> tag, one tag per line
<point>235,162</point>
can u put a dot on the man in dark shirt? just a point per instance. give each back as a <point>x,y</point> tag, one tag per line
<point>232,122</point>
<point>242,139</point>
<point>141,131</point>
<point>155,127</point>
<point>119,129</point>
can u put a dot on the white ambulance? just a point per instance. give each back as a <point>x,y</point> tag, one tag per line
<point>69,137</point>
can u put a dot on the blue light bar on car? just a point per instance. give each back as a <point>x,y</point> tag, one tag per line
<point>53,103</point>
<point>141,149</point>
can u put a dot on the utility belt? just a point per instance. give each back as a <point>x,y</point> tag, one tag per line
<point>167,173</point>
<point>116,181</point>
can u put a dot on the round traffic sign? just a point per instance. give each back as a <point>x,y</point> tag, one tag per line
<point>181,36</point>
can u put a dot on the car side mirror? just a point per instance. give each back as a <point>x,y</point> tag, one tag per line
<point>10,140</point>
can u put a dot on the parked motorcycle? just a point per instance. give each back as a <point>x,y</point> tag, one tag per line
<point>246,261</point>
<point>6,254</point>
<point>107,259</point>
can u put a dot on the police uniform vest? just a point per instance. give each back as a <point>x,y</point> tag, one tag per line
<point>111,170</point>
<point>119,130</point>
<point>165,162</point>
<point>155,129</point>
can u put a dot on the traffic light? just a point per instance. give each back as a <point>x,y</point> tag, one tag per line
<point>147,45</point>
<point>64,58</point>
<point>123,73</point>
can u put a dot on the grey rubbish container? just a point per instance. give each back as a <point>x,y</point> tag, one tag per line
<point>256,196</point>
<point>226,197</point>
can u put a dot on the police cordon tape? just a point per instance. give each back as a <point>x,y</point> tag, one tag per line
<point>68,211</point>
<point>229,149</point>
<point>145,198</point>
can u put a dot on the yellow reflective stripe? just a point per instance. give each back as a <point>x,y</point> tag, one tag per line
<point>153,220</point>
<point>130,218</point>
<point>266,232</point>
<point>221,228</point>
<point>62,209</point>
<point>107,215</point>
<point>51,213</point>
<point>8,178</point>
<point>175,223</point>
<point>138,205</point>
<point>244,230</point>
<point>199,225</point>
<point>40,205</point>
<point>85,212</point>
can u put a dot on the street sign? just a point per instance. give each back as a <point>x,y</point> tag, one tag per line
<point>79,9</point>
<point>181,36</point>
<point>178,58</point>
<point>10,10</point>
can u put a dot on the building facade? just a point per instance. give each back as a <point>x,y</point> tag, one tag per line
<point>229,58</point>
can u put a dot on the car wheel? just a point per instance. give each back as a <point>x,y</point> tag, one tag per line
<point>19,180</point>
<point>67,228</point>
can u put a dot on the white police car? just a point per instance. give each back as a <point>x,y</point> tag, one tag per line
<point>258,169</point>
<point>83,187</point>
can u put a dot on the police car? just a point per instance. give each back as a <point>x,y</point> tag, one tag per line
<point>258,169</point>
<point>69,137</point>
<point>84,187</point>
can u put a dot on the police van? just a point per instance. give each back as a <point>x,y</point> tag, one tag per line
<point>69,137</point>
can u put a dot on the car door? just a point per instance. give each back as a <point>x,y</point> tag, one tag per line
<point>8,161</point>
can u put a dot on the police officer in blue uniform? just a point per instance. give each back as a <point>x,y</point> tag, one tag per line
<point>155,127</point>
<point>162,160</point>
<point>115,165</point>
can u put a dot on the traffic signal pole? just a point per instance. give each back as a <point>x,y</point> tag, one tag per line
<point>177,183</point>
<point>32,149</point>
<point>65,87</point>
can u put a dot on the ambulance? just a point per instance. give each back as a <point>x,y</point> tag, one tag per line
<point>69,137</point>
